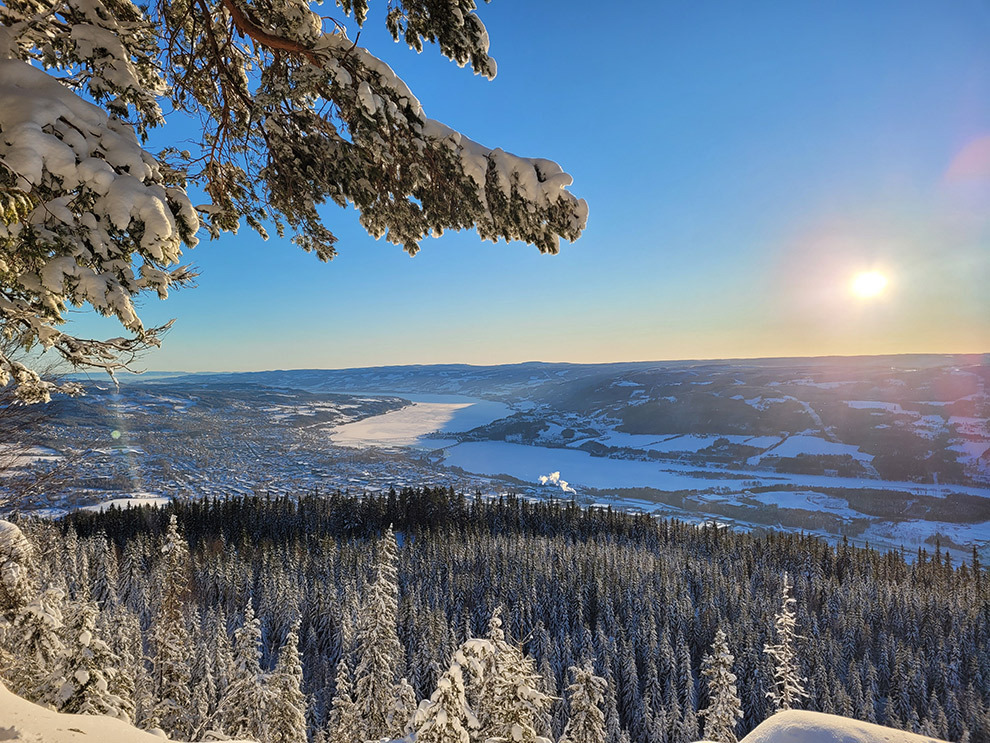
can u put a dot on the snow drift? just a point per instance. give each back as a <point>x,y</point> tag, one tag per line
<point>798,726</point>
<point>21,720</point>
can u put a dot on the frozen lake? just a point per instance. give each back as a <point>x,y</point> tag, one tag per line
<point>527,463</point>
<point>412,425</point>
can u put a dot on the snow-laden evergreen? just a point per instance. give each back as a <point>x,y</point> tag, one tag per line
<point>84,680</point>
<point>512,705</point>
<point>243,708</point>
<point>892,642</point>
<point>724,709</point>
<point>344,724</point>
<point>379,651</point>
<point>172,672</point>
<point>17,586</point>
<point>33,643</point>
<point>294,115</point>
<point>585,700</point>
<point>403,710</point>
<point>788,684</point>
<point>286,712</point>
<point>446,717</point>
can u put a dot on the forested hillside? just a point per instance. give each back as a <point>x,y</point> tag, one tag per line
<point>205,619</point>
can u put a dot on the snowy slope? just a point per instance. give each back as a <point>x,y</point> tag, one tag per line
<point>798,726</point>
<point>22,721</point>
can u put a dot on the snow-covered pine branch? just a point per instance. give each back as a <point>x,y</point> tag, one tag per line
<point>293,116</point>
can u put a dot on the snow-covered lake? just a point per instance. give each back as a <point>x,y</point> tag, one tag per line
<point>527,463</point>
<point>410,426</point>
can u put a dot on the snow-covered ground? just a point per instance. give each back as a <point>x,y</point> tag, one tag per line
<point>16,456</point>
<point>798,726</point>
<point>135,500</point>
<point>24,722</point>
<point>808,500</point>
<point>527,463</point>
<point>680,443</point>
<point>792,446</point>
<point>914,533</point>
<point>410,426</point>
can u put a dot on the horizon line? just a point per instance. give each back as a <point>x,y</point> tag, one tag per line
<point>975,355</point>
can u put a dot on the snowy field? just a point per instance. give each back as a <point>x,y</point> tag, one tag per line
<point>410,426</point>
<point>807,500</point>
<point>687,443</point>
<point>792,446</point>
<point>16,456</point>
<point>527,463</point>
<point>138,499</point>
<point>912,534</point>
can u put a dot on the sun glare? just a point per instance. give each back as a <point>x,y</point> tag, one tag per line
<point>868,284</point>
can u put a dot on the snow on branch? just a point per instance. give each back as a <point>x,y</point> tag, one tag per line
<point>292,117</point>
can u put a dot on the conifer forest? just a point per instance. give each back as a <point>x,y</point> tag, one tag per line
<point>334,618</point>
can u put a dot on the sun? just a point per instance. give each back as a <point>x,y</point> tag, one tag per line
<point>869,284</point>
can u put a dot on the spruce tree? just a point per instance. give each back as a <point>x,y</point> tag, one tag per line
<point>85,676</point>
<point>724,709</point>
<point>243,710</point>
<point>446,717</point>
<point>586,700</point>
<point>516,705</point>
<point>378,649</point>
<point>345,717</point>
<point>788,688</point>
<point>286,718</point>
<point>33,639</point>
<point>401,715</point>
<point>171,663</point>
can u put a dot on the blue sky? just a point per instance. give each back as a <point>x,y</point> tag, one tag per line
<point>742,162</point>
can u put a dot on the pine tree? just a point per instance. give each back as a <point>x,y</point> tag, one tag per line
<point>243,710</point>
<point>345,717</point>
<point>788,688</point>
<point>286,718</point>
<point>34,641</point>
<point>378,649</point>
<point>172,661</point>
<point>586,700</point>
<point>85,676</point>
<point>401,715</point>
<point>446,718</point>
<point>724,708</point>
